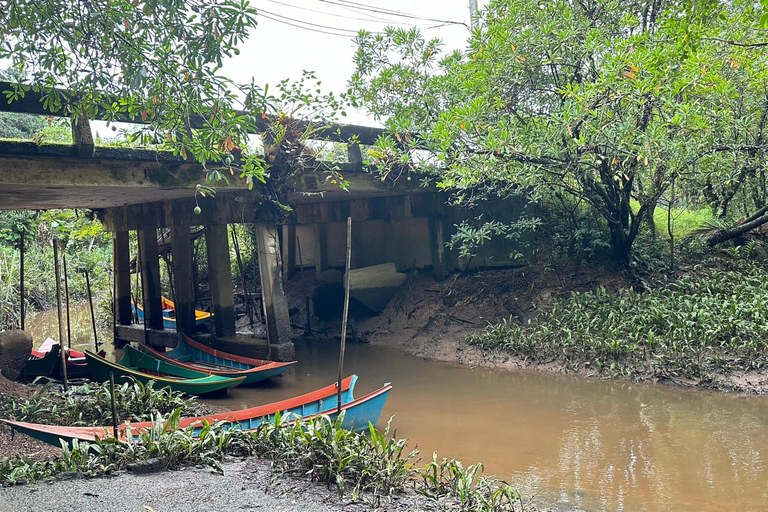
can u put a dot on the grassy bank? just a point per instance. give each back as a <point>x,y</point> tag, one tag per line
<point>708,323</point>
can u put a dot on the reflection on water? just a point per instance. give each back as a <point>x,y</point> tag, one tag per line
<point>45,324</point>
<point>579,442</point>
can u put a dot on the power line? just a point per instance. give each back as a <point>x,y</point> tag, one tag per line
<point>292,21</point>
<point>369,17</point>
<point>278,20</point>
<point>340,31</point>
<point>388,12</point>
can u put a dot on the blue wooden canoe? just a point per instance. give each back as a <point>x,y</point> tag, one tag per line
<point>169,314</point>
<point>357,415</point>
<point>196,356</point>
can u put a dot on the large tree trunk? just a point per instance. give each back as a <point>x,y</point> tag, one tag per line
<point>621,245</point>
<point>755,220</point>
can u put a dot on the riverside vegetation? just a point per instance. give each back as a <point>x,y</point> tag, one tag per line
<point>706,324</point>
<point>371,466</point>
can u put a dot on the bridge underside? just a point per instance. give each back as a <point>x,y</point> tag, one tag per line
<point>145,190</point>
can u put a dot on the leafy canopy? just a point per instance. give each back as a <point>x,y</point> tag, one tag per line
<point>606,101</point>
<point>154,60</point>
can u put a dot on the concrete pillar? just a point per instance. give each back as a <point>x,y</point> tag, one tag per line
<point>220,279</point>
<point>121,257</point>
<point>437,248</point>
<point>275,303</point>
<point>181,263</point>
<point>357,244</point>
<point>321,248</point>
<point>150,270</point>
<point>289,251</point>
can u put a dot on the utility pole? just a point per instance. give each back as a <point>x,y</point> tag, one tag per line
<point>473,13</point>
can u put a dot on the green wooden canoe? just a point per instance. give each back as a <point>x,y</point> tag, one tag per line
<point>144,367</point>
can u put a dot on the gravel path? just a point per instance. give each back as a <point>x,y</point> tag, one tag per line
<point>245,485</point>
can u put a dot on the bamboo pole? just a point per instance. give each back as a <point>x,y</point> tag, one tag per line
<point>236,245</point>
<point>114,405</point>
<point>22,309</point>
<point>308,329</point>
<point>57,271</point>
<point>143,298</point>
<point>93,317</point>
<point>66,295</point>
<point>168,268</point>
<point>346,310</point>
<point>134,297</point>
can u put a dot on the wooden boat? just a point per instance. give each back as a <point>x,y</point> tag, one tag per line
<point>144,368</point>
<point>357,415</point>
<point>42,364</point>
<point>169,314</point>
<point>46,361</point>
<point>194,355</point>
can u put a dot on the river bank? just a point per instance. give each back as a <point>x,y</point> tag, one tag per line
<point>246,484</point>
<point>476,319</point>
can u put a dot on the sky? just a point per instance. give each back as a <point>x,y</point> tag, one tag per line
<point>317,35</point>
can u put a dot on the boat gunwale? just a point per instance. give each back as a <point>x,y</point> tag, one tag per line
<point>198,381</point>
<point>266,365</point>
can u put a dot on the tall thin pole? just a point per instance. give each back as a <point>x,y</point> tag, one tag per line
<point>57,271</point>
<point>346,310</point>
<point>170,271</point>
<point>236,245</point>
<point>143,298</point>
<point>473,13</point>
<point>93,317</point>
<point>66,295</point>
<point>114,405</point>
<point>22,309</point>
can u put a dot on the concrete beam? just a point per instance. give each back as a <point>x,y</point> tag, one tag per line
<point>181,263</point>
<point>272,293</point>
<point>220,279</point>
<point>122,261</point>
<point>150,280</point>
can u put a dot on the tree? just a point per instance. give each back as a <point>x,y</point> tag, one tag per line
<point>154,60</point>
<point>607,101</point>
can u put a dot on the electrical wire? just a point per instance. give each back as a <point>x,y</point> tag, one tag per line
<point>345,32</point>
<point>335,15</point>
<point>387,12</point>
<point>303,27</point>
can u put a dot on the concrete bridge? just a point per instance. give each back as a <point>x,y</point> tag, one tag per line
<point>144,190</point>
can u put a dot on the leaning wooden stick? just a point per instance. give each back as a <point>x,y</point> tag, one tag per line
<point>57,271</point>
<point>346,309</point>
<point>22,311</point>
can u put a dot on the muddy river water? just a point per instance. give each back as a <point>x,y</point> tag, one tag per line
<point>571,441</point>
<point>587,443</point>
